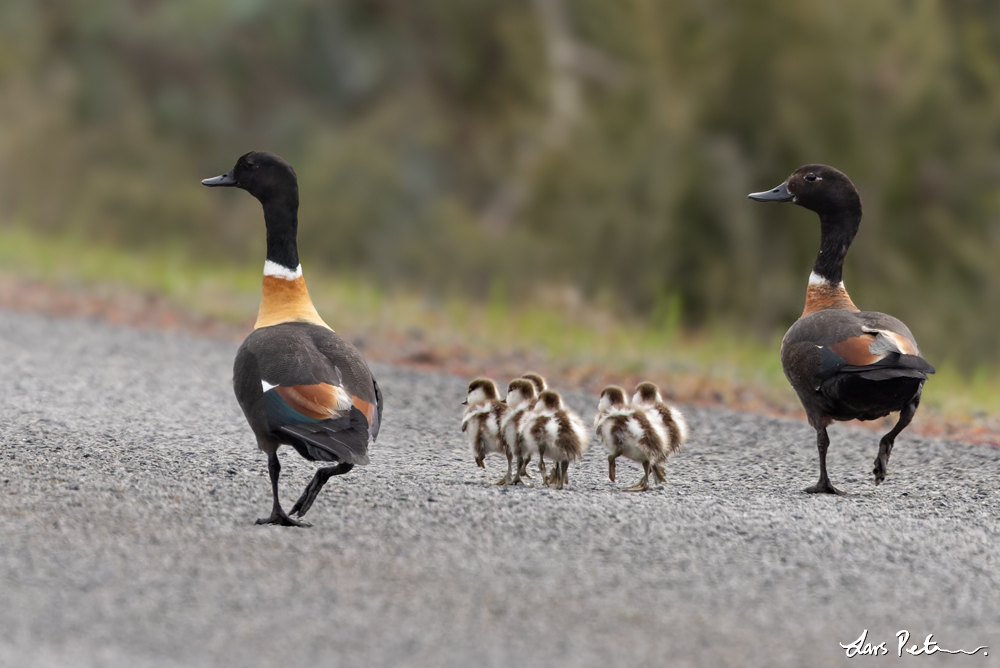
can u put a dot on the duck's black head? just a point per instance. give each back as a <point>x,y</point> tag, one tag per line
<point>263,175</point>
<point>273,182</point>
<point>830,194</point>
<point>819,188</point>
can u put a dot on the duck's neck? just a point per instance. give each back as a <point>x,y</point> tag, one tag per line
<point>826,285</point>
<point>284,296</point>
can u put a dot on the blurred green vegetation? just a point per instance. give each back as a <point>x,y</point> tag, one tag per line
<point>499,149</point>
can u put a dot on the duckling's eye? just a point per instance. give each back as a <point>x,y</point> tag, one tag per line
<point>813,177</point>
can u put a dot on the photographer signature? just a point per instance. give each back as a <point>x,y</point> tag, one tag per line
<point>863,648</point>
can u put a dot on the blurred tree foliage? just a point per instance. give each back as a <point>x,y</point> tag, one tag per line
<point>492,146</point>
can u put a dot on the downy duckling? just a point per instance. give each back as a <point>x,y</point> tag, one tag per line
<point>536,380</point>
<point>555,432</point>
<point>521,398</point>
<point>540,386</point>
<point>481,423</point>
<point>631,433</point>
<point>648,398</point>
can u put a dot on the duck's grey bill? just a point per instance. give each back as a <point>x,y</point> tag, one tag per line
<point>224,180</point>
<point>779,194</point>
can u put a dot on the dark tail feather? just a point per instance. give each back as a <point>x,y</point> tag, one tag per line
<point>333,440</point>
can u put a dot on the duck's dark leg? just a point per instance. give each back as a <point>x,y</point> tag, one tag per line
<point>312,489</point>
<point>278,515</point>
<point>885,445</point>
<point>612,459</point>
<point>823,486</point>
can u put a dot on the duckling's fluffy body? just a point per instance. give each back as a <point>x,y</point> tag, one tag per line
<point>555,432</point>
<point>649,399</point>
<point>521,399</point>
<point>482,421</point>
<point>637,432</point>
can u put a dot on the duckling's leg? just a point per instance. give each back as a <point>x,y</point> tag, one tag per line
<point>518,471</point>
<point>278,515</point>
<point>612,460</point>
<point>643,483</point>
<point>885,445</point>
<point>506,480</point>
<point>823,486</point>
<point>565,473</point>
<point>541,468</point>
<point>557,474</point>
<point>524,466</point>
<point>312,489</point>
<point>659,473</point>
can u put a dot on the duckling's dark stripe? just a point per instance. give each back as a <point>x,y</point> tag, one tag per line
<point>566,438</point>
<point>649,439</point>
<point>672,428</point>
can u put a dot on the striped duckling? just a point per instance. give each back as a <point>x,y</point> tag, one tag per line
<point>555,432</point>
<point>648,398</point>
<point>631,433</point>
<point>481,423</point>
<point>297,381</point>
<point>844,363</point>
<point>521,398</point>
<point>538,381</point>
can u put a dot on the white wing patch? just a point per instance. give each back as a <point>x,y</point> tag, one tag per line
<point>889,342</point>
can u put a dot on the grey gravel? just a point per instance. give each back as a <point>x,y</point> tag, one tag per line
<point>129,483</point>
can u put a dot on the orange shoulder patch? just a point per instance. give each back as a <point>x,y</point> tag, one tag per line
<point>320,401</point>
<point>856,350</point>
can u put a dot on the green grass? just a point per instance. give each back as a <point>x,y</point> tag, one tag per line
<point>556,330</point>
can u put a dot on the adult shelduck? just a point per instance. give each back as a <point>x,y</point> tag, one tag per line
<point>844,363</point>
<point>297,381</point>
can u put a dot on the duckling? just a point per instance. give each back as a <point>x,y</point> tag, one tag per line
<point>844,363</point>
<point>520,400</point>
<point>536,380</point>
<point>631,433</point>
<point>481,423</point>
<point>556,432</point>
<point>648,397</point>
<point>540,386</point>
<point>297,381</point>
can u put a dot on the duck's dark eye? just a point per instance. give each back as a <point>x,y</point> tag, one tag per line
<point>811,177</point>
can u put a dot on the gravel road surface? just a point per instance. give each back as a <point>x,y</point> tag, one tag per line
<point>129,483</point>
